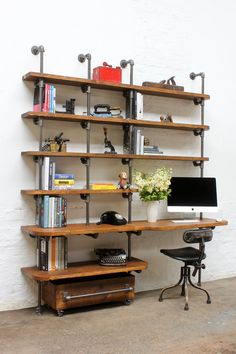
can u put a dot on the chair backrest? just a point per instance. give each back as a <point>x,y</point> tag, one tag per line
<point>198,235</point>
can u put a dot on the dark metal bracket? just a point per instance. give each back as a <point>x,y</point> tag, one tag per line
<point>137,233</point>
<point>198,132</point>
<point>197,101</point>
<point>85,160</point>
<point>126,195</point>
<point>95,236</point>
<point>198,163</point>
<point>32,236</point>
<point>85,88</point>
<point>125,161</point>
<point>84,124</point>
<point>36,121</point>
<point>84,196</point>
<point>36,159</point>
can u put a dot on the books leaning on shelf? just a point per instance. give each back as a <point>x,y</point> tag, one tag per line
<point>49,99</point>
<point>103,186</point>
<point>51,211</point>
<point>52,253</point>
<point>47,174</point>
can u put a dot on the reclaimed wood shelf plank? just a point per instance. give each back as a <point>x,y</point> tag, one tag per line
<point>105,85</point>
<point>113,121</point>
<point>76,191</point>
<point>83,269</point>
<point>113,156</point>
<point>138,225</point>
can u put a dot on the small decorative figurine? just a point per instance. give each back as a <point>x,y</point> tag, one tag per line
<point>108,143</point>
<point>167,118</point>
<point>55,144</point>
<point>146,141</point>
<point>123,182</point>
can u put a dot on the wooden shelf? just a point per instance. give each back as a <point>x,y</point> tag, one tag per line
<point>76,191</point>
<point>112,121</point>
<point>115,156</point>
<point>83,269</point>
<point>105,85</point>
<point>139,225</point>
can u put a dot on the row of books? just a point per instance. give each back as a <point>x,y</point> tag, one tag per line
<point>51,211</point>
<point>49,99</point>
<point>52,253</point>
<point>52,180</point>
<point>138,146</point>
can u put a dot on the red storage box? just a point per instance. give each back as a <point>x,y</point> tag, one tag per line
<point>107,73</point>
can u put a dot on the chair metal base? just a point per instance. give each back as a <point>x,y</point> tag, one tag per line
<point>185,277</point>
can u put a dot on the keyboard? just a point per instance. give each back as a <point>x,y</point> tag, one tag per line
<point>180,221</point>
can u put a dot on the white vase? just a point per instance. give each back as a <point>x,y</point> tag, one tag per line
<point>152,211</point>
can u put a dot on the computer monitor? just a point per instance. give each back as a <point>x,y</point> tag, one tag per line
<point>192,194</point>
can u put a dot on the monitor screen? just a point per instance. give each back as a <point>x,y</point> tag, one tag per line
<point>192,194</point>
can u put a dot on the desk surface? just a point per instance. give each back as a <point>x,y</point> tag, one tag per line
<point>138,225</point>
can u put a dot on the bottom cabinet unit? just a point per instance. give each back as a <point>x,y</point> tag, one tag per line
<point>71,293</point>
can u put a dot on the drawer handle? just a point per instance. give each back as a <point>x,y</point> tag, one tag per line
<point>71,297</point>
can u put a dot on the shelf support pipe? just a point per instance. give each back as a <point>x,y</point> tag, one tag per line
<point>81,59</point>
<point>130,197</point>
<point>35,50</point>
<point>192,77</point>
<point>123,64</point>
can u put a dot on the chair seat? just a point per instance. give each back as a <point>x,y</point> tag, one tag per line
<point>185,254</point>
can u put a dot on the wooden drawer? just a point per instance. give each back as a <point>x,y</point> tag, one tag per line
<point>65,294</point>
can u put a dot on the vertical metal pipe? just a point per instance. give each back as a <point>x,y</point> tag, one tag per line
<point>39,307</point>
<point>129,245</point>
<point>130,194</point>
<point>88,129</point>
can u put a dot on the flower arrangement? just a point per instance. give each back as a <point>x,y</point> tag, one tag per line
<point>153,186</point>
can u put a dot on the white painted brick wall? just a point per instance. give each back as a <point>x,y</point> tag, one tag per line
<point>164,38</point>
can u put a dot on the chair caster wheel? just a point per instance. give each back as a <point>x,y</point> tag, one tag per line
<point>186,308</point>
<point>127,302</point>
<point>208,301</point>
<point>60,313</point>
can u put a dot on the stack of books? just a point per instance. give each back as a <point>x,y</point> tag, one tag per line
<point>51,211</point>
<point>52,253</point>
<point>49,99</point>
<point>151,150</point>
<point>103,186</point>
<point>64,180</point>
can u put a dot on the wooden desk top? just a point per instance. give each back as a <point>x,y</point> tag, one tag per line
<point>139,225</point>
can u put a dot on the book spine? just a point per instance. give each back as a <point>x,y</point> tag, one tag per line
<point>70,182</point>
<point>53,253</point>
<point>43,254</point>
<point>45,173</point>
<point>45,211</point>
<point>64,176</point>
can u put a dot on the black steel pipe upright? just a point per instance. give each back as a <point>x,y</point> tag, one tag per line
<point>81,59</point>
<point>35,50</point>
<point>123,64</point>
<point>202,104</point>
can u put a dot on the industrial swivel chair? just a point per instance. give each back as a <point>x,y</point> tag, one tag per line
<point>191,257</point>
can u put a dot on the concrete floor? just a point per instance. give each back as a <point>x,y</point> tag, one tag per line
<point>147,326</point>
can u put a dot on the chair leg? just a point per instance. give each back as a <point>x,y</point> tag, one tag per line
<point>197,287</point>
<point>173,286</point>
<point>186,307</point>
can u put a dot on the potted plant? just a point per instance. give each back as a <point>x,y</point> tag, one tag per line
<point>153,187</point>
